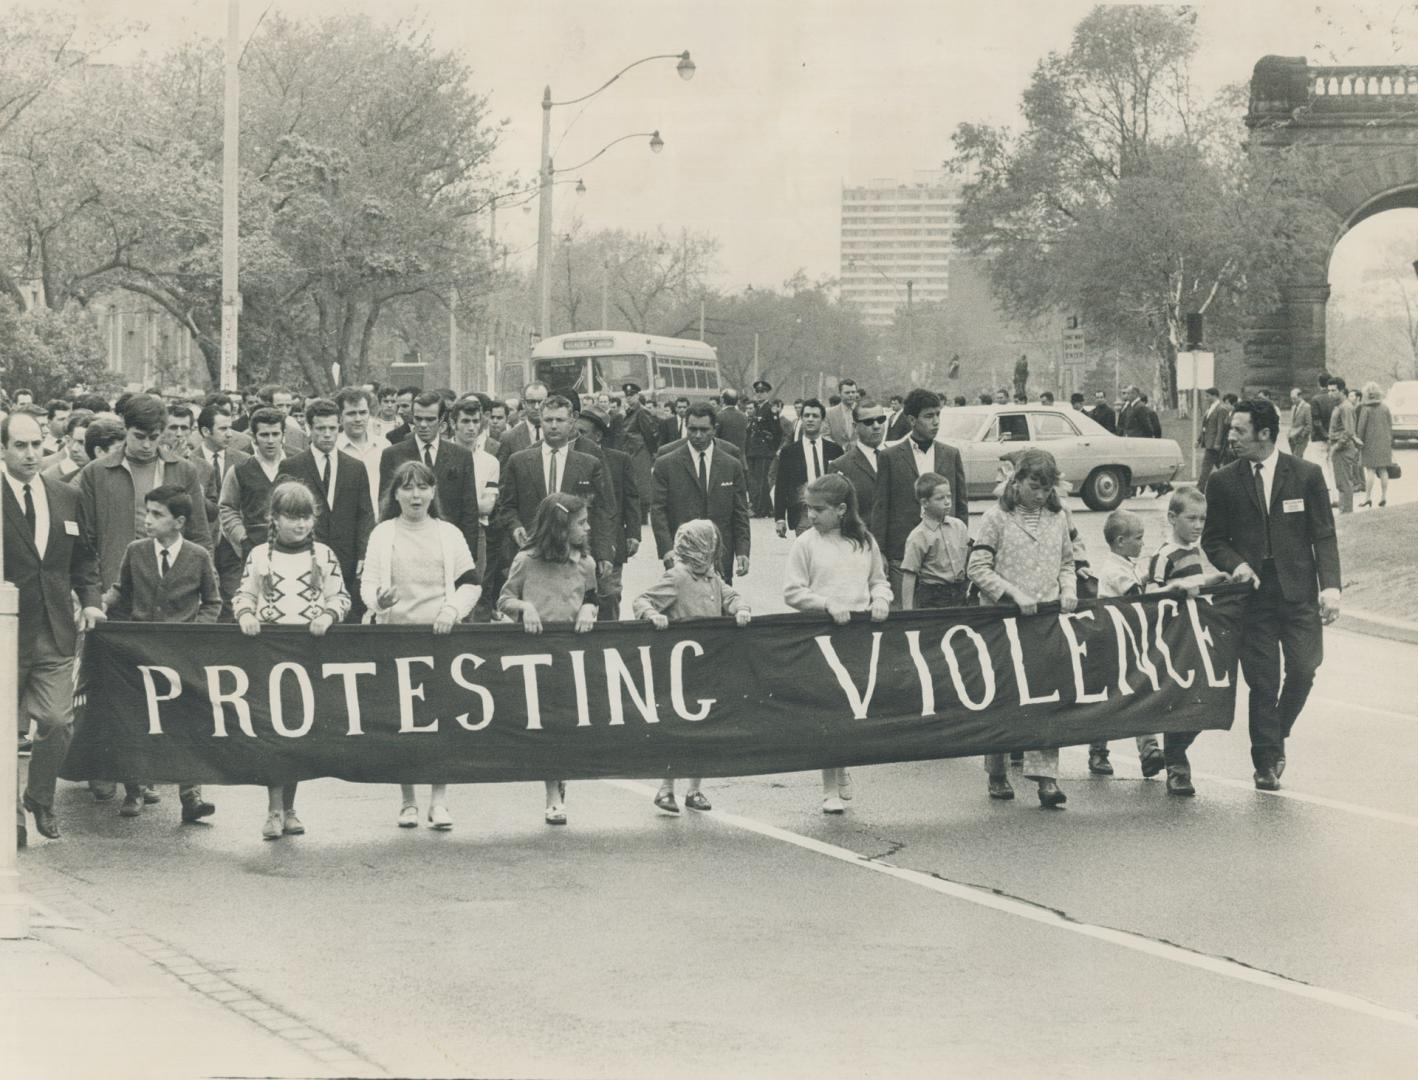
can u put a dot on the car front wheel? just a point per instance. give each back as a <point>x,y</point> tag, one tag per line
<point>1104,489</point>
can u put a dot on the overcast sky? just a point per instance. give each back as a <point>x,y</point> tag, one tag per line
<point>792,99</point>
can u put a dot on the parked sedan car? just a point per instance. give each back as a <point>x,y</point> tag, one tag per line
<point>1101,466</point>
<point>1402,402</point>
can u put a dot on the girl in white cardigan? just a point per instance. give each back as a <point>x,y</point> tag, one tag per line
<point>836,567</point>
<point>418,569</point>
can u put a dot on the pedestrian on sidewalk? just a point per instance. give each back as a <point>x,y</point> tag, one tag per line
<point>1023,554</point>
<point>836,567</point>
<point>553,579</point>
<point>1375,431</point>
<point>164,579</point>
<point>418,570</point>
<point>1344,447</point>
<point>275,588</point>
<point>691,589</point>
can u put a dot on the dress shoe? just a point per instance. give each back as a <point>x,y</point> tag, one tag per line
<point>132,806</point>
<point>44,819</point>
<point>1179,783</point>
<point>1000,788</point>
<point>695,800</point>
<point>1279,767</point>
<point>1050,796</point>
<point>102,790</point>
<point>196,809</point>
<point>22,836</point>
<point>1098,763</point>
<point>439,817</point>
<point>1266,780</point>
<point>150,795</point>
<point>1153,762</point>
<point>665,801</point>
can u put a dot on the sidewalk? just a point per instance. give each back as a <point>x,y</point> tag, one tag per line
<point>84,1000</point>
<point>1375,625</point>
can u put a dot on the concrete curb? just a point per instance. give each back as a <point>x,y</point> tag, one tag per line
<point>1380,626</point>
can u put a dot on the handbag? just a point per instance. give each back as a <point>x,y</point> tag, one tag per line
<point>1395,471</point>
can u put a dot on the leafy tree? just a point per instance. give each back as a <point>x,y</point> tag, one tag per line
<point>1124,200</point>
<point>50,352</point>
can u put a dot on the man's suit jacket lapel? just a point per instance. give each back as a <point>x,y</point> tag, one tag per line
<point>539,476</point>
<point>15,521</point>
<point>1282,477</point>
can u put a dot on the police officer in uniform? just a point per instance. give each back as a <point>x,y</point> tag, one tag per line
<point>765,436</point>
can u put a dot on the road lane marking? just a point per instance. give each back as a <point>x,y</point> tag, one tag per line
<point>1225,967</point>
<point>1314,800</point>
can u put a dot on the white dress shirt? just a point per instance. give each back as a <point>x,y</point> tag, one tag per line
<point>869,454</point>
<point>368,456</point>
<point>813,460</point>
<point>40,498</point>
<point>487,471</point>
<point>331,467</point>
<point>431,447</point>
<point>1267,475</point>
<point>925,461</point>
<point>708,460</point>
<point>563,453</point>
<point>172,550</point>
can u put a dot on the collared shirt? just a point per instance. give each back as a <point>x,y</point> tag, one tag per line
<point>172,550</point>
<point>812,454</point>
<point>330,466</point>
<point>563,454</point>
<point>210,457</point>
<point>270,470</point>
<point>1267,475</point>
<point>925,459</point>
<point>428,451</point>
<point>41,508</point>
<point>368,455</point>
<point>487,471</point>
<point>871,454</point>
<point>708,460</point>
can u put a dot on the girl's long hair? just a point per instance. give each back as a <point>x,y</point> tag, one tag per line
<point>551,528</point>
<point>1032,464</point>
<point>406,475</point>
<point>293,499</point>
<point>836,490</point>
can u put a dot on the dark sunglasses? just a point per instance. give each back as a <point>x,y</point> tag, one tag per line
<point>873,420</point>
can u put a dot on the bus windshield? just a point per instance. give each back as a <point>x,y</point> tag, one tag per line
<point>567,374</point>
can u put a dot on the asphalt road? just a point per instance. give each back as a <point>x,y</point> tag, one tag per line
<point>929,931</point>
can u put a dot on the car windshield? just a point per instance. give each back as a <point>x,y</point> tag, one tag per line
<point>958,425</point>
<point>1403,396</point>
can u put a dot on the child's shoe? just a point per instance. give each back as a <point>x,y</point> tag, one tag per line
<point>292,826</point>
<point>272,829</point>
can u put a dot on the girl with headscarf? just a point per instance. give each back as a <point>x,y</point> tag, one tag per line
<point>690,589</point>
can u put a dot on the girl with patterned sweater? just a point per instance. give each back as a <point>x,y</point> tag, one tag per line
<point>1023,554</point>
<point>291,580</point>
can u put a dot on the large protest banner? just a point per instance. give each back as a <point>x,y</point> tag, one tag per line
<point>703,698</point>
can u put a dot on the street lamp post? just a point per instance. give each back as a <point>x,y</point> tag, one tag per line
<point>546,171</point>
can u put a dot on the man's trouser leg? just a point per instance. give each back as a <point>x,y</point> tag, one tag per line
<point>608,593</point>
<point>1208,462</point>
<point>1274,629</point>
<point>47,697</point>
<point>1345,464</point>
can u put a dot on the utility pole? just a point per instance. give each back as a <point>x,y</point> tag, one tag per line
<point>544,222</point>
<point>231,179</point>
<point>605,294</point>
<point>701,318</point>
<point>755,359</point>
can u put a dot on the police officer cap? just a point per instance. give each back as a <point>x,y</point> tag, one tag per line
<point>630,388</point>
<point>763,386</point>
<point>599,417</point>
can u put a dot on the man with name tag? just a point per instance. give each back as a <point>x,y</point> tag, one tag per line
<point>1269,523</point>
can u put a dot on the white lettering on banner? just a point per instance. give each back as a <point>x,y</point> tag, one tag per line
<point>923,672</point>
<point>1077,650</point>
<point>307,699</point>
<point>859,702</point>
<point>350,673</point>
<point>1162,648</point>
<point>484,695</point>
<point>1021,677</point>
<point>578,676</point>
<point>174,689</point>
<point>529,662</point>
<point>618,678</point>
<point>987,667</point>
<point>408,691</point>
<point>236,698</point>
<point>1129,640</point>
<point>1203,643</point>
<point>677,701</point>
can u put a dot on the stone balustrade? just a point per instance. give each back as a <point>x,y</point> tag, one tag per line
<point>1364,82</point>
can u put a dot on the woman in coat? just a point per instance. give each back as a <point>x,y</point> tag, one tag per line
<point>1375,431</point>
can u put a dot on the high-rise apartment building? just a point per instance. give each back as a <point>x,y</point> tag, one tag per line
<point>897,238</point>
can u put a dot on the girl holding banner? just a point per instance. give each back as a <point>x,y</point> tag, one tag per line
<point>276,587</point>
<point>418,569</point>
<point>553,579</point>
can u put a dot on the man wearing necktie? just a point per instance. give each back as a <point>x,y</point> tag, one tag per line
<point>45,558</point>
<point>800,463</point>
<point>452,466</point>
<point>341,489</point>
<point>862,462</point>
<point>895,510</point>
<point>701,479</point>
<point>1269,523</point>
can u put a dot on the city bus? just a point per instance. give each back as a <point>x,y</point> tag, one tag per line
<point>590,361</point>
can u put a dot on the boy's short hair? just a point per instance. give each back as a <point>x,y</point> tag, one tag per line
<point>926,484</point>
<point>1182,498</point>
<point>1120,523</point>
<point>173,497</point>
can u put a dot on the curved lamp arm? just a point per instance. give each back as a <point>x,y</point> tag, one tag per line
<point>656,145</point>
<point>686,69</point>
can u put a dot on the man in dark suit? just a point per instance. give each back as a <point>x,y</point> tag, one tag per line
<point>701,481</point>
<point>731,424</point>
<point>800,463</point>
<point>723,444</point>
<point>895,510</point>
<point>552,465</point>
<point>341,489</point>
<point>1102,412</point>
<point>672,426</point>
<point>1269,523</point>
<point>1133,419</point>
<point>452,466</point>
<point>527,432</point>
<point>213,461</point>
<point>1215,425</point>
<point>46,557</point>
<point>860,464</point>
<point>639,436</point>
<point>592,426</point>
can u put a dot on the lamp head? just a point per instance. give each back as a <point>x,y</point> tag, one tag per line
<point>580,186</point>
<point>656,143</point>
<point>685,67</point>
